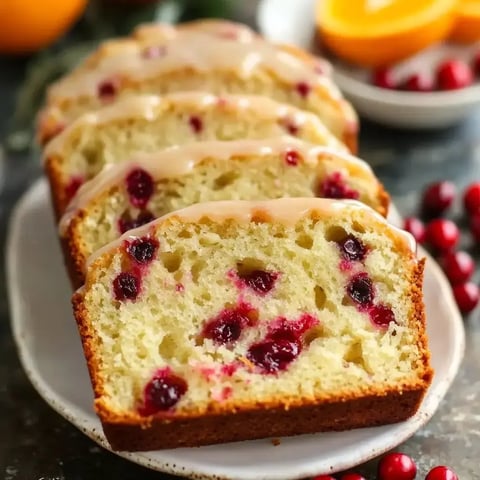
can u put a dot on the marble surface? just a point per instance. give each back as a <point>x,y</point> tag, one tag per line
<point>37,444</point>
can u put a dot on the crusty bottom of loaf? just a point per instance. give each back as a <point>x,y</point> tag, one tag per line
<point>368,411</point>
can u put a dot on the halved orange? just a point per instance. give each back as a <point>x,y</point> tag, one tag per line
<point>467,25</point>
<point>374,33</point>
<point>30,25</point>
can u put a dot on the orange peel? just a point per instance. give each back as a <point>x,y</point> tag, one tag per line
<point>373,33</point>
<point>467,24</point>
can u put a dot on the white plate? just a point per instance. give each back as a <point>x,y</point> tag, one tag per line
<point>293,22</point>
<point>50,352</point>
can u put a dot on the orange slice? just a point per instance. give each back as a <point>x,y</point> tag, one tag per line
<point>374,33</point>
<point>467,25</point>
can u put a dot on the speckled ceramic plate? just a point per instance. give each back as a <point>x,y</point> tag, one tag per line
<point>290,21</point>
<point>51,355</point>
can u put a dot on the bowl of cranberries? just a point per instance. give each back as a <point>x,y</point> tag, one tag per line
<point>436,88</point>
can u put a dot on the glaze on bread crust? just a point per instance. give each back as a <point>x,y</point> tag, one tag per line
<point>107,206</point>
<point>219,65</point>
<point>150,123</point>
<point>254,319</point>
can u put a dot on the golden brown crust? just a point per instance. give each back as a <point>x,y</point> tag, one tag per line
<point>368,411</point>
<point>57,186</point>
<point>419,320</point>
<point>74,261</point>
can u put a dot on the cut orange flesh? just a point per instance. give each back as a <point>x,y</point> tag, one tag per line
<point>467,24</point>
<point>374,33</point>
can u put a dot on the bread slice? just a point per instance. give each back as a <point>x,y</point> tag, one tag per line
<point>216,64</point>
<point>236,320</point>
<point>135,192</point>
<point>147,36</point>
<point>149,123</point>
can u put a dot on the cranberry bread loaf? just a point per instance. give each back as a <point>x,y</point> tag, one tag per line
<point>149,123</point>
<point>132,193</point>
<point>236,320</point>
<point>216,64</point>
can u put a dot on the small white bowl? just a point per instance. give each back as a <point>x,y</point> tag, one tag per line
<point>293,22</point>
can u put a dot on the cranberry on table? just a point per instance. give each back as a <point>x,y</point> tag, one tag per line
<point>396,466</point>
<point>454,74</point>
<point>416,228</point>
<point>352,476</point>
<point>466,295</point>
<point>419,82</point>
<point>441,473</point>
<point>383,78</point>
<point>438,197</point>
<point>475,226</point>
<point>471,198</point>
<point>458,266</point>
<point>442,234</point>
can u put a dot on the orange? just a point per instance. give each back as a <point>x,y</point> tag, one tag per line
<point>30,25</point>
<point>467,25</point>
<point>374,33</point>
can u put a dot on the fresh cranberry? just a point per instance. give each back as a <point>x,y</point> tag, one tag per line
<point>441,473</point>
<point>292,329</point>
<point>360,290</point>
<point>227,326</point>
<point>466,295</point>
<point>419,83</point>
<point>438,197</point>
<point>274,355</point>
<point>334,186</point>
<point>454,74</point>
<point>143,250</point>
<point>475,226</point>
<point>291,127</point>
<point>154,51</point>
<point>458,266</point>
<point>140,187</point>
<point>126,286</point>
<point>352,476</point>
<point>125,224</point>
<point>162,392</point>
<point>303,89</point>
<point>259,280</point>
<point>382,316</point>
<point>416,228</point>
<point>292,158</point>
<point>396,466</point>
<point>323,477</point>
<point>471,198</point>
<point>352,249</point>
<point>442,234</point>
<point>383,78</point>
<point>196,123</point>
<point>107,89</point>
<point>72,187</point>
<point>476,63</point>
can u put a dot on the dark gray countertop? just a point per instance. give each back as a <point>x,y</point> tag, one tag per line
<point>36,443</point>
